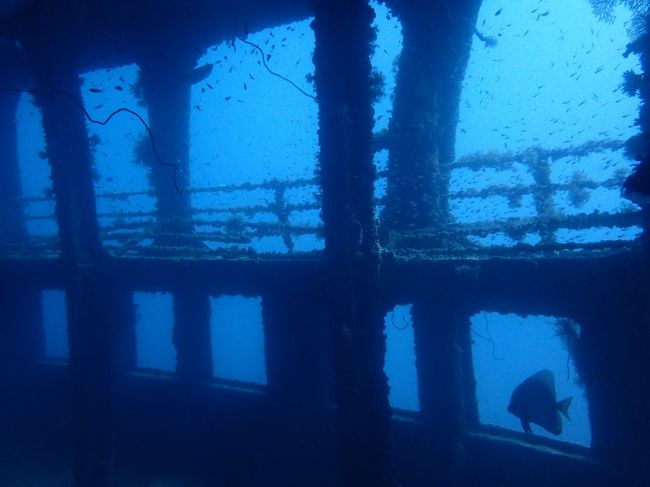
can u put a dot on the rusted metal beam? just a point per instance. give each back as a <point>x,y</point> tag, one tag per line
<point>344,39</point>
<point>436,46</point>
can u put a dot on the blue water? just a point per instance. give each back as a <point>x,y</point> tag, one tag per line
<point>549,81</point>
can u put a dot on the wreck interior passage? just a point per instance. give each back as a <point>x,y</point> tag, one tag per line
<point>337,243</point>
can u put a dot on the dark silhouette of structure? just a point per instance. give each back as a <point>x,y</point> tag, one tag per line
<point>324,417</point>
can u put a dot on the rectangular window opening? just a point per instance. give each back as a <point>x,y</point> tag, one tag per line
<point>507,350</point>
<point>238,339</point>
<point>399,364</point>
<point>154,331</point>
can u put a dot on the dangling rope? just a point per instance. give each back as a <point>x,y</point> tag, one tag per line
<point>105,121</point>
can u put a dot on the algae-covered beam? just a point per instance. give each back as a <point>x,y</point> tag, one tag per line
<point>192,334</point>
<point>15,73</point>
<point>637,188</point>
<point>610,351</point>
<point>437,40</point>
<point>447,388</point>
<point>166,74</point>
<point>295,344</point>
<point>344,38</point>
<point>102,34</point>
<point>96,310</point>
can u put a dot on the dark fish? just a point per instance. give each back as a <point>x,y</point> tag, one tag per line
<point>534,401</point>
<point>199,74</point>
<point>95,90</point>
<point>498,12</point>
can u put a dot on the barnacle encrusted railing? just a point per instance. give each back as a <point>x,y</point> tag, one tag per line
<point>544,227</point>
<point>256,211</point>
<point>272,209</point>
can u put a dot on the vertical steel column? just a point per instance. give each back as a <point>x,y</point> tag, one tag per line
<point>96,310</point>
<point>295,344</point>
<point>166,80</point>
<point>437,40</point>
<point>344,38</point>
<point>167,70</point>
<point>441,327</point>
<point>192,337</point>
<point>21,334</point>
<point>12,220</point>
<point>612,356</point>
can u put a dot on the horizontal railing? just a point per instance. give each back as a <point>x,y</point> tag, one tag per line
<point>125,231</point>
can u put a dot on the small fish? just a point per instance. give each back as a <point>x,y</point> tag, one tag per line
<point>119,88</point>
<point>95,90</point>
<point>199,74</point>
<point>498,12</point>
<point>534,401</point>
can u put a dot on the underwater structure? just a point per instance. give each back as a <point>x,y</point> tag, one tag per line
<point>323,417</point>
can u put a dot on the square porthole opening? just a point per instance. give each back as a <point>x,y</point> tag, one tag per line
<point>238,339</point>
<point>154,331</point>
<point>509,349</point>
